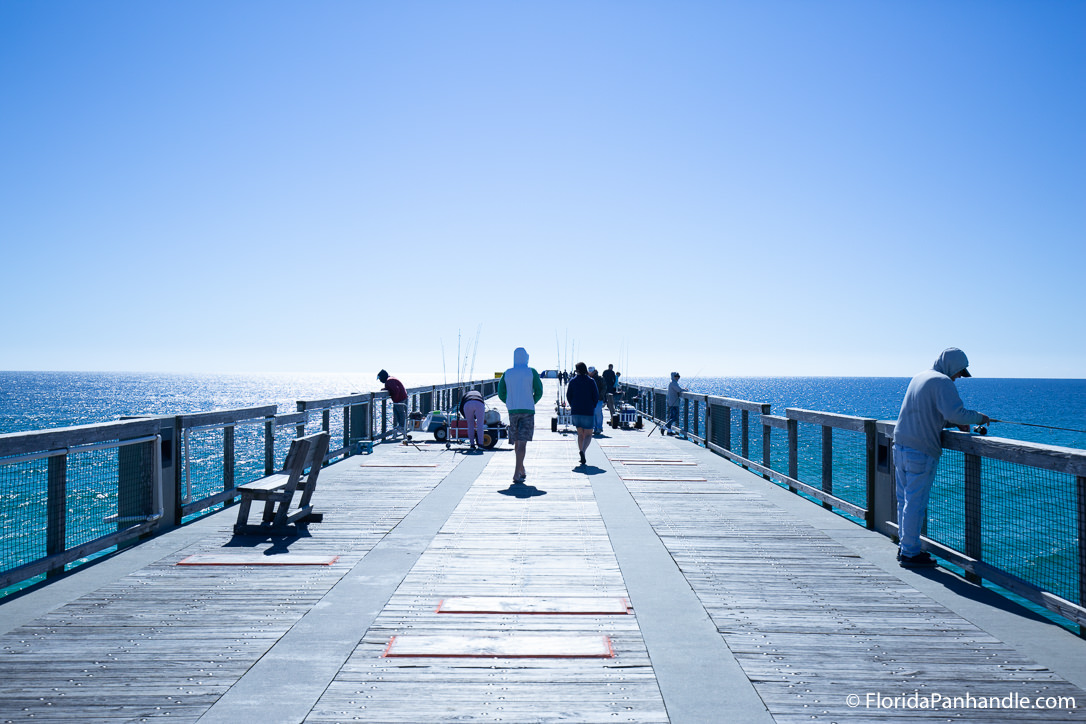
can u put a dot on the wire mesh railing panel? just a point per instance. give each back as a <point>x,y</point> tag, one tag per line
<point>850,466</point>
<point>248,453</point>
<point>93,498</point>
<point>202,458</point>
<point>24,501</point>
<point>283,436</point>
<point>946,506</point>
<point>809,447</point>
<point>778,451</point>
<point>1029,526</point>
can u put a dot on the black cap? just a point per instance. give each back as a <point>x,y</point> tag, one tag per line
<point>382,375</point>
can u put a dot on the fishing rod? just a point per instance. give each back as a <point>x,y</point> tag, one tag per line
<point>983,429</point>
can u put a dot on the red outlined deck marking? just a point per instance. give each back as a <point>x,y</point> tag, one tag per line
<point>502,647</point>
<point>257,559</point>
<point>653,462</point>
<point>557,605</point>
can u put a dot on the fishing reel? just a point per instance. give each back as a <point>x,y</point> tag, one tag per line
<point>980,430</point>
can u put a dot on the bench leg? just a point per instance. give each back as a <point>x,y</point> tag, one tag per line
<point>243,511</point>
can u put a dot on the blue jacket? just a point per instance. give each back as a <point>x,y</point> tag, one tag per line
<point>582,395</point>
<point>930,403</point>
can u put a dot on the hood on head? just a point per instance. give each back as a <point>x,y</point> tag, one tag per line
<point>951,362</point>
<point>520,357</point>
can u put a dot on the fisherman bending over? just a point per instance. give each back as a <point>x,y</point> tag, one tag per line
<point>398,395</point>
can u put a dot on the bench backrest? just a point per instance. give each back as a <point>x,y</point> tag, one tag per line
<point>313,447</point>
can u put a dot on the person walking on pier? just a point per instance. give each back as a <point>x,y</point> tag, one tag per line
<point>473,408</point>
<point>520,388</point>
<point>398,395</point>
<point>673,396</point>
<point>582,394</point>
<point>601,394</point>
<point>931,403</point>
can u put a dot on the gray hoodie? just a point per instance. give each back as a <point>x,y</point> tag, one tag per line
<point>931,402</point>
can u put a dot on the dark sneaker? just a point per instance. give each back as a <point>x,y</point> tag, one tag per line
<point>583,460</point>
<point>920,560</point>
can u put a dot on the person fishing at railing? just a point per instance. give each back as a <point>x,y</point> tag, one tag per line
<point>674,392</point>
<point>398,395</point>
<point>931,403</point>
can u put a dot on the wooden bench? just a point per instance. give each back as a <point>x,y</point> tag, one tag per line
<point>277,490</point>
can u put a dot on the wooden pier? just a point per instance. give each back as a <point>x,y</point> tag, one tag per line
<point>659,583</point>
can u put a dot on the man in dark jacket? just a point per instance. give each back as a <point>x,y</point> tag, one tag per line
<point>582,394</point>
<point>611,378</point>
<point>398,395</point>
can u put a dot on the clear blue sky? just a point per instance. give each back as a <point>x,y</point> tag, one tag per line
<point>749,188</point>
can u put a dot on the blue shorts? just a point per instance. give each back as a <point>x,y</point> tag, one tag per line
<point>585,422</point>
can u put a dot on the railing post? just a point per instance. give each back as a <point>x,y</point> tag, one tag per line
<point>57,509</point>
<point>686,416</point>
<point>793,451</point>
<point>727,422</point>
<point>326,421</point>
<point>871,454</point>
<point>347,430</point>
<point>767,450</point>
<point>228,458</point>
<point>744,425</point>
<point>767,446</point>
<point>708,422</point>
<point>269,445</point>
<point>827,463</point>
<point>1080,490</point>
<point>299,429</point>
<point>972,498</point>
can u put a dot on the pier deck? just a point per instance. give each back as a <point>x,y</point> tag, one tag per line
<point>659,583</point>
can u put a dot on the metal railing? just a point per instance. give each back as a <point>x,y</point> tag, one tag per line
<point>1009,512</point>
<point>70,493</point>
<point>75,492</point>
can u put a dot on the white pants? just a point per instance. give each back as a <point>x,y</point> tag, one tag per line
<point>914,472</point>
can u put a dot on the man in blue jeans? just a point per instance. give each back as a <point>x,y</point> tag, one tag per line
<point>931,403</point>
<point>674,396</point>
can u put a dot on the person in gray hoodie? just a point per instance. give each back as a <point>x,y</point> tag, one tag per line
<point>520,388</point>
<point>931,403</point>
